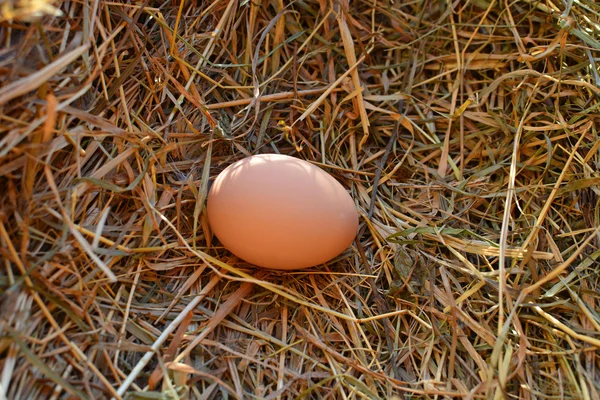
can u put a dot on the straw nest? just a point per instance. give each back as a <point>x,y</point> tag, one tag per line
<point>466,132</point>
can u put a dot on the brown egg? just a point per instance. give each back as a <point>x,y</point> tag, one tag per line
<point>281,212</point>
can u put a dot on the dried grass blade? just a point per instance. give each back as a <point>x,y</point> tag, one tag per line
<point>554,321</point>
<point>203,192</point>
<point>351,57</point>
<point>223,311</point>
<point>45,369</point>
<point>328,91</point>
<point>37,79</point>
<point>75,232</point>
<point>165,334</point>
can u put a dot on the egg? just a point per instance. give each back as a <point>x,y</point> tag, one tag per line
<point>281,212</point>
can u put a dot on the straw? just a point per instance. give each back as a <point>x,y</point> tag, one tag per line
<point>465,132</point>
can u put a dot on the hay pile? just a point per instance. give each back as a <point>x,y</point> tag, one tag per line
<point>466,132</point>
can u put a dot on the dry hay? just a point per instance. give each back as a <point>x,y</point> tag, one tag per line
<point>466,132</point>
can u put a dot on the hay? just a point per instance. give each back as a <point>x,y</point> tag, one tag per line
<point>466,132</point>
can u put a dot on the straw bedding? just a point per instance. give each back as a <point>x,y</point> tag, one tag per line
<point>466,133</point>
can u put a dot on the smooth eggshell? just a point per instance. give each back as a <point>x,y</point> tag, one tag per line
<point>280,212</point>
